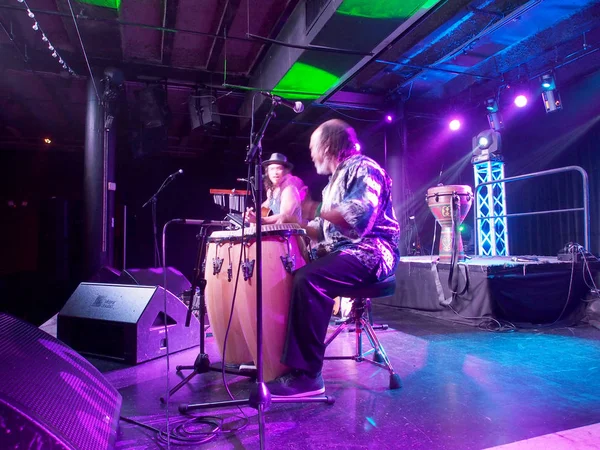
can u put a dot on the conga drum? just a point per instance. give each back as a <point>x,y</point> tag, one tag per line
<point>221,263</point>
<point>282,253</point>
<point>450,205</point>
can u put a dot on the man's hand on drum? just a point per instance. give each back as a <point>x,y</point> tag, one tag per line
<point>250,215</point>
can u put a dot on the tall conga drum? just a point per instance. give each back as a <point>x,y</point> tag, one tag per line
<point>283,251</point>
<point>221,263</point>
<point>450,205</point>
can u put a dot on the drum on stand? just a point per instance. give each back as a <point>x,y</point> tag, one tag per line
<point>450,205</point>
<point>283,251</point>
<point>222,258</point>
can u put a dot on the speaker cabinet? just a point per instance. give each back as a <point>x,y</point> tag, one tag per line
<point>51,397</point>
<point>126,323</point>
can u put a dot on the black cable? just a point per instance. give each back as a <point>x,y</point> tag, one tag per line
<point>192,430</point>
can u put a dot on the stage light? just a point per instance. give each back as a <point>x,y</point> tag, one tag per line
<point>550,96</point>
<point>47,141</point>
<point>548,82</point>
<point>454,124</point>
<point>521,101</point>
<point>357,146</point>
<point>491,105</point>
<point>389,118</point>
<point>486,147</point>
<point>461,228</point>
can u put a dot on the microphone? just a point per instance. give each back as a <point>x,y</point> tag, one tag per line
<point>297,107</point>
<point>245,180</point>
<point>173,175</point>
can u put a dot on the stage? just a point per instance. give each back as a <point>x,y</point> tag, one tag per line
<point>516,289</point>
<point>463,388</point>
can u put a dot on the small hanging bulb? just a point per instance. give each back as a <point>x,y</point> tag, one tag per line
<point>54,54</point>
<point>20,1</point>
<point>50,47</point>
<point>60,60</point>
<point>44,38</point>
<point>30,14</point>
<point>35,26</point>
<point>64,66</point>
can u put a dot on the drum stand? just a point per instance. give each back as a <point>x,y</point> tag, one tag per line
<point>260,397</point>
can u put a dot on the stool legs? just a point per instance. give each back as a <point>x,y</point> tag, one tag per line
<point>380,357</point>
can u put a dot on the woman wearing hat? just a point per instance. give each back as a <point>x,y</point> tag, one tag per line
<point>284,192</point>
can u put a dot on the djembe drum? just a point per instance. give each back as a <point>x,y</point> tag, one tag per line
<point>450,205</point>
<point>283,251</point>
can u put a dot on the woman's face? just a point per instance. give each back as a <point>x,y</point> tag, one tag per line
<point>276,172</point>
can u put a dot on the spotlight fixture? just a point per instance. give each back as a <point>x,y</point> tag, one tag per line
<point>550,95</point>
<point>389,118</point>
<point>357,146</point>
<point>521,101</point>
<point>454,125</point>
<point>491,105</point>
<point>486,147</point>
<point>493,116</point>
<point>47,141</point>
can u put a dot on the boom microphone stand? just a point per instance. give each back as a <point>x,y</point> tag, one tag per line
<point>154,200</point>
<point>260,397</point>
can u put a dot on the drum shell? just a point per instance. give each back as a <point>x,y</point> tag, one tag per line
<point>277,292</point>
<point>439,200</point>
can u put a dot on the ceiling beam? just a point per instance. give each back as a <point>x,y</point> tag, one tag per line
<point>169,21</point>
<point>230,10</point>
<point>40,62</point>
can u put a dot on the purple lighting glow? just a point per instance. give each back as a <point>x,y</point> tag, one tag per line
<point>520,101</point>
<point>389,118</point>
<point>454,124</point>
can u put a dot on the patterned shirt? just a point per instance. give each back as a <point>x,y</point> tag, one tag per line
<point>361,190</point>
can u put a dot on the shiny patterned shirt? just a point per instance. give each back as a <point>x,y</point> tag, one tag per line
<point>361,190</point>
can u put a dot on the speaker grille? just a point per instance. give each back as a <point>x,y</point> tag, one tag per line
<point>56,387</point>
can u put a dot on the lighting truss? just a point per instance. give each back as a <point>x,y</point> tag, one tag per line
<point>491,226</point>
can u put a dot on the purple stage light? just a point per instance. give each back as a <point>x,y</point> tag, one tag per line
<point>520,101</point>
<point>389,118</point>
<point>454,124</point>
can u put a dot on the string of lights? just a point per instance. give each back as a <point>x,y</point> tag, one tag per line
<point>55,54</point>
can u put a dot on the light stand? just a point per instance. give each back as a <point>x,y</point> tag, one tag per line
<point>260,397</point>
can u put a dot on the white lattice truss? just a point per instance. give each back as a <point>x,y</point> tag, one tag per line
<point>492,230</point>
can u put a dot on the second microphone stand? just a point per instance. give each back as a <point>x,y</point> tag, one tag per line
<point>260,397</point>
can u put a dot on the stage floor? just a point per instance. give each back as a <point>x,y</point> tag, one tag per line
<point>463,388</point>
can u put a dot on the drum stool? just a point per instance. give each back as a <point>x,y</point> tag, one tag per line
<point>361,295</point>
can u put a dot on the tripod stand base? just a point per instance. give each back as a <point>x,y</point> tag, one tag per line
<point>202,365</point>
<point>185,407</point>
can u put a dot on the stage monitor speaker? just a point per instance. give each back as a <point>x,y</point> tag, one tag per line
<point>51,397</point>
<point>126,323</point>
<point>177,283</point>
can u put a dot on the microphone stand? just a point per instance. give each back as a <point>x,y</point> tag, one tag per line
<point>154,200</point>
<point>260,397</point>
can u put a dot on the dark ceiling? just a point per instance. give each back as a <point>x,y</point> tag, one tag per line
<point>427,55</point>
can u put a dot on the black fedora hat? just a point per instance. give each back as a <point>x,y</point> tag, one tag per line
<point>278,158</point>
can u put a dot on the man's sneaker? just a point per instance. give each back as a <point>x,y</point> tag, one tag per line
<point>296,384</point>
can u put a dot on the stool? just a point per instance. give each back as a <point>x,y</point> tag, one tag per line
<point>361,296</point>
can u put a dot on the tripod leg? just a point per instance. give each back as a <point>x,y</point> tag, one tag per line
<point>261,426</point>
<point>180,385</point>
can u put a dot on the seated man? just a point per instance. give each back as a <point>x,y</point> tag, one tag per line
<point>357,234</point>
